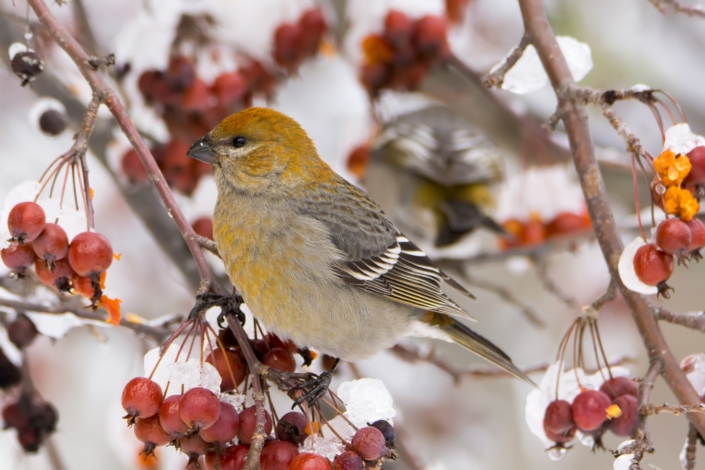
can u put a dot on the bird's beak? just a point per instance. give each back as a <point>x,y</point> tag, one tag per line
<point>201,150</point>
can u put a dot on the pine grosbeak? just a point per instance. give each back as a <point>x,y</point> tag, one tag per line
<point>314,258</point>
<point>442,166</point>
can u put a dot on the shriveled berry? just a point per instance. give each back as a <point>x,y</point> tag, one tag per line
<point>652,266</point>
<point>697,230</point>
<point>230,87</point>
<point>619,386</point>
<point>292,428</point>
<point>225,428</point>
<point>52,244</point>
<point>26,221</point>
<point>59,277</point>
<point>53,122</point>
<point>22,331</point>
<point>10,374</point>
<point>141,398</point>
<point>589,409</point>
<point>29,438</point>
<point>627,423</point>
<point>280,359</point>
<point>149,431</point>
<point>387,431</point>
<point>558,421</point>
<point>673,236</point>
<point>221,359</point>
<point>27,65</point>
<point>278,455</point>
<point>306,461</point>
<point>232,458</point>
<point>170,419</point>
<point>193,445</point>
<point>369,443</point>
<point>199,408</point>
<point>248,420</point>
<point>90,253</point>
<point>133,168</point>
<point>348,460</point>
<point>18,257</point>
<point>203,226</point>
<point>397,28</point>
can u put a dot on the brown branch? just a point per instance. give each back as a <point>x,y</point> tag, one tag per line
<point>598,303</point>
<point>689,449</point>
<point>157,334</point>
<point>649,409</point>
<point>79,149</point>
<point>100,88</point>
<point>496,78</point>
<point>693,320</point>
<point>664,5</point>
<point>541,36</point>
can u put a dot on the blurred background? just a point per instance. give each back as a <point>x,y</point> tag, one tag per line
<point>351,86</point>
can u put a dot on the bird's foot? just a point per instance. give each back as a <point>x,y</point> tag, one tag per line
<point>227,304</point>
<point>301,387</point>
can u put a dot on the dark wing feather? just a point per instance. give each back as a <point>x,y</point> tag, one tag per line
<point>377,257</point>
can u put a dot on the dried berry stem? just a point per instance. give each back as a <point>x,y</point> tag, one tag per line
<point>574,117</point>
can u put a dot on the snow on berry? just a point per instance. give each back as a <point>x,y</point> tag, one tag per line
<point>626,269</point>
<point>680,139</point>
<point>366,401</point>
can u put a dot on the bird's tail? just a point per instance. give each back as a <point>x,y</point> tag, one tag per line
<point>467,338</point>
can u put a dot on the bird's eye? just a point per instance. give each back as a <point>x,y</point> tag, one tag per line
<point>239,141</point>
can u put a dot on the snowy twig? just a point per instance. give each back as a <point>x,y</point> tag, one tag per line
<point>496,78</point>
<point>574,118</point>
<point>101,89</point>
<point>649,409</point>
<point>693,320</point>
<point>157,334</point>
<point>664,5</point>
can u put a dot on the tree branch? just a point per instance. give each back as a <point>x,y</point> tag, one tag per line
<point>496,78</point>
<point>693,320</point>
<point>541,36</point>
<point>664,5</point>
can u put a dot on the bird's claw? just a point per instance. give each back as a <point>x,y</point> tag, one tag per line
<point>313,390</point>
<point>227,303</point>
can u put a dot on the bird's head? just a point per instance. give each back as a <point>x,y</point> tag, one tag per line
<point>259,149</point>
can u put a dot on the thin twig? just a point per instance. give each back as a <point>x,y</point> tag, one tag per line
<point>496,78</point>
<point>574,118</point>
<point>664,5</point>
<point>208,244</point>
<point>689,448</point>
<point>550,285</point>
<point>649,409</point>
<point>693,320</point>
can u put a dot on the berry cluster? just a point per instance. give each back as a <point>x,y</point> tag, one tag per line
<point>679,182</point>
<point>33,418</point>
<point>402,55</point>
<point>611,408</point>
<point>535,231</point>
<point>79,266</point>
<point>295,42</point>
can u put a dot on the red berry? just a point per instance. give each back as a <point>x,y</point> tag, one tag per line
<point>232,458</point>
<point>221,360</point>
<point>288,42</point>
<point>276,342</point>
<point>83,285</point>
<point>313,27</point>
<point>261,347</point>
<point>376,76</point>
<point>278,455</point>
<point>132,167</point>
<point>148,83</point>
<point>230,87</point>
<point>566,222</point>
<point>198,97</point>
<point>619,386</point>
<point>149,431</point>
<point>260,80</point>
<point>170,419</point>
<point>558,421</point>
<point>29,438</point>
<point>199,408</point>
<point>696,176</point>
<point>203,226</point>
<point>348,460</point>
<point>533,233</point>
<point>90,254</point>
<point>673,236</point>
<point>308,461</point>
<point>292,428</point>
<point>26,221</point>
<point>225,428</point>
<point>369,443</point>
<point>180,73</point>
<point>141,398</point>
<point>22,331</point>
<point>397,28</point>
<point>697,230</point>
<point>628,421</point>
<point>18,257</point>
<point>652,265</point>
<point>430,37</point>
<point>59,278</point>
<point>280,359</point>
<point>193,445</point>
<point>15,416</point>
<point>52,244</point>
<point>247,425</point>
<point>589,409</point>
<point>358,160</point>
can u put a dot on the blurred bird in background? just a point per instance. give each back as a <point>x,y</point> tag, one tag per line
<point>436,170</point>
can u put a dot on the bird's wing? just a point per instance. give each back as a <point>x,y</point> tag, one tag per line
<point>376,256</point>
